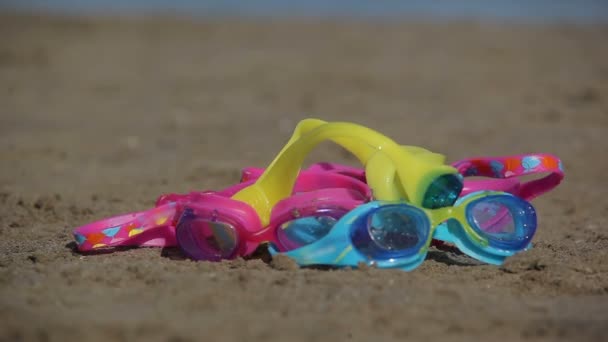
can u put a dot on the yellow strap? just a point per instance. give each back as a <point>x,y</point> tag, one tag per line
<point>415,165</point>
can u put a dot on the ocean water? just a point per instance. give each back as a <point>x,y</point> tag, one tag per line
<point>535,10</point>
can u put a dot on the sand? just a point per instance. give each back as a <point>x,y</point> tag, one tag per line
<point>99,116</point>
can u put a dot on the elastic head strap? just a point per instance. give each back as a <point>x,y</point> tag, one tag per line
<point>278,179</point>
<point>517,166</point>
<point>154,227</point>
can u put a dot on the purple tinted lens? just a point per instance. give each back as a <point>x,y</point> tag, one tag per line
<point>493,217</point>
<point>203,239</point>
<point>506,221</point>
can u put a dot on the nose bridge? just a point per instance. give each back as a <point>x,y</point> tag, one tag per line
<point>441,214</point>
<point>265,235</point>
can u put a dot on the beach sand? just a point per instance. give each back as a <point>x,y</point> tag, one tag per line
<point>100,116</point>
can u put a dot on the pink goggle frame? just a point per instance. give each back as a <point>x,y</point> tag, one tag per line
<point>157,227</point>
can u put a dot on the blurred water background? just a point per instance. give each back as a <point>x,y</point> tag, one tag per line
<point>580,11</point>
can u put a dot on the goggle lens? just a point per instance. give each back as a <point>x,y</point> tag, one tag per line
<point>392,231</point>
<point>443,192</point>
<point>204,239</point>
<point>305,230</point>
<point>505,221</point>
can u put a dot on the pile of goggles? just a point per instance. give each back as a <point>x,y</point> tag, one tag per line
<point>386,214</point>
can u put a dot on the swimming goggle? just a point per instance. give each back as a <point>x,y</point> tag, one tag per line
<point>223,216</point>
<point>488,226</point>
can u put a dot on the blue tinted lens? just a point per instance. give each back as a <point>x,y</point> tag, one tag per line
<point>506,221</point>
<point>306,230</point>
<point>443,192</point>
<point>302,231</point>
<point>392,231</point>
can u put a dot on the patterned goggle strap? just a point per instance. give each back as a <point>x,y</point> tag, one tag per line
<point>517,166</point>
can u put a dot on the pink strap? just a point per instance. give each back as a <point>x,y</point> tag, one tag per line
<point>154,227</point>
<point>307,181</point>
<point>249,173</point>
<point>510,185</point>
<point>510,167</point>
